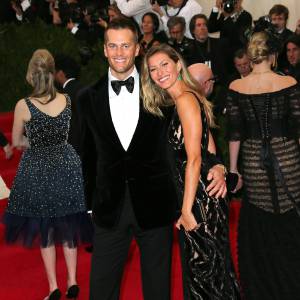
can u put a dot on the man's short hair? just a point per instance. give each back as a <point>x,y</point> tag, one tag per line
<point>279,9</point>
<point>122,23</point>
<point>193,22</point>
<point>67,64</point>
<point>294,39</point>
<point>240,53</point>
<point>173,21</point>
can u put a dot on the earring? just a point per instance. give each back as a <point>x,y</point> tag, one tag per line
<point>179,77</point>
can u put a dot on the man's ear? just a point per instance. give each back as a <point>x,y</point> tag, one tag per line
<point>104,49</point>
<point>137,50</point>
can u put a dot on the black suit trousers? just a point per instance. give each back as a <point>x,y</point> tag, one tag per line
<point>110,253</point>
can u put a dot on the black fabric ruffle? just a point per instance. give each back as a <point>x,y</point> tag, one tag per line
<point>71,229</point>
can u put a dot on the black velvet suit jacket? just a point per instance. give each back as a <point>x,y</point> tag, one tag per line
<point>214,50</point>
<point>144,167</point>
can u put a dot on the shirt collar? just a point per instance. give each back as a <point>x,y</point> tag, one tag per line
<point>134,74</point>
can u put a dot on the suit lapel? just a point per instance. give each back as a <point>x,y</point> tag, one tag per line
<point>143,125</point>
<point>102,114</point>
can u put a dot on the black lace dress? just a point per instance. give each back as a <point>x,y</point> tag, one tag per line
<point>268,127</point>
<point>46,203</point>
<point>208,262</point>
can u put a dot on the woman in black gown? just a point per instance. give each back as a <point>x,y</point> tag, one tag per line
<point>46,203</point>
<point>203,219</point>
<point>264,125</point>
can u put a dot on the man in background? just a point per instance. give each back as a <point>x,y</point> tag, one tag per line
<point>242,65</point>
<point>66,77</point>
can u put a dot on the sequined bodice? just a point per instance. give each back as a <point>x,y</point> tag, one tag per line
<point>43,130</point>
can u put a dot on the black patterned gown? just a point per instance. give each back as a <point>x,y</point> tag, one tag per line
<point>46,203</point>
<point>268,127</point>
<point>208,263</point>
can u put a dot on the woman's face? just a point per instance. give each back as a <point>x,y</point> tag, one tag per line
<point>147,25</point>
<point>163,70</point>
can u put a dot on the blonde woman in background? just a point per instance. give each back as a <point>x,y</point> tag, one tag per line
<point>204,219</point>
<point>46,204</point>
<point>264,125</point>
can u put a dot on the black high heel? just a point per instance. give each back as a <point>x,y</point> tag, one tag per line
<point>73,292</point>
<point>55,295</point>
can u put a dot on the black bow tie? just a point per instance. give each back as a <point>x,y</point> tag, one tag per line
<point>117,84</point>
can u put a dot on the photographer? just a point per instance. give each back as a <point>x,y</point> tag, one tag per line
<point>278,16</point>
<point>83,22</point>
<point>177,8</point>
<point>232,22</point>
<point>135,9</point>
<point>24,11</point>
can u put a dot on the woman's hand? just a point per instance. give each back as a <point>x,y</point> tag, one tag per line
<point>188,221</point>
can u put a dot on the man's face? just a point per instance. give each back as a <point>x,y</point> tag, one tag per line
<point>121,48</point>
<point>177,33</point>
<point>293,53</point>
<point>243,65</point>
<point>201,31</point>
<point>279,21</point>
<point>175,3</point>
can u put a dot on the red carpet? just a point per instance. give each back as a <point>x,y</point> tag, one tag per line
<point>22,274</point>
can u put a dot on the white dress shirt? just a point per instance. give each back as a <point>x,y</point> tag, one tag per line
<point>125,108</point>
<point>191,8</point>
<point>136,9</point>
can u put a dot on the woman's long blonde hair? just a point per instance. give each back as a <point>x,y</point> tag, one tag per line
<point>155,97</point>
<point>40,74</point>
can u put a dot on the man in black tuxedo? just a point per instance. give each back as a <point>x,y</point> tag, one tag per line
<point>134,194</point>
<point>66,76</point>
<point>211,51</point>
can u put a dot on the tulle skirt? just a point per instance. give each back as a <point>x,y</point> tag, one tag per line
<point>67,230</point>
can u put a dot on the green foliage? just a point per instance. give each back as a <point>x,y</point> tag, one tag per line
<point>18,42</point>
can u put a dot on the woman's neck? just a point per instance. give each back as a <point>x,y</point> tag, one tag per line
<point>177,89</point>
<point>147,37</point>
<point>263,67</point>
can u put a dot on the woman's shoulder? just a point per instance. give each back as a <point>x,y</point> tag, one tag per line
<point>274,84</point>
<point>235,85</point>
<point>187,98</point>
<point>22,104</point>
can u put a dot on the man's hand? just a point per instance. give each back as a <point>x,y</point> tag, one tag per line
<point>8,151</point>
<point>239,184</point>
<point>219,4</point>
<point>217,186</point>
<point>70,25</point>
<point>297,31</point>
<point>157,8</point>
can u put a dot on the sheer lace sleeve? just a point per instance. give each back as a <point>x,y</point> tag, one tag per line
<point>294,109</point>
<point>235,123</point>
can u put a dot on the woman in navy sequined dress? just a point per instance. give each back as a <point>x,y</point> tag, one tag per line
<point>207,267</point>
<point>46,204</point>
